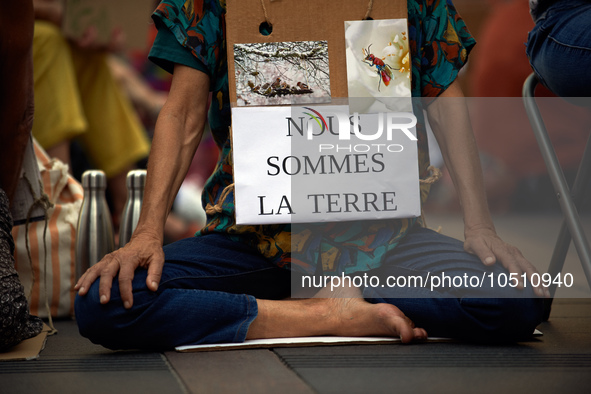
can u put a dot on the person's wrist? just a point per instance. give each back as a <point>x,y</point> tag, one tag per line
<point>477,219</point>
<point>483,227</point>
<point>147,233</point>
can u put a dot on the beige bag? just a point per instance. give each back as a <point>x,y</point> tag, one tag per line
<point>51,275</point>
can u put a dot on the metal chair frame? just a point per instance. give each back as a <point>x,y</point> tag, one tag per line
<point>569,199</point>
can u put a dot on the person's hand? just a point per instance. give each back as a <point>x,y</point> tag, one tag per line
<point>90,40</point>
<point>486,244</point>
<point>143,250</point>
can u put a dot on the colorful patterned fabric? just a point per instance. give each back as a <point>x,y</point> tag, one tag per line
<point>439,45</point>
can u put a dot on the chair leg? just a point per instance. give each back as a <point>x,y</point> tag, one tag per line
<point>578,193</point>
<point>572,224</point>
<point>580,239</point>
<point>564,239</point>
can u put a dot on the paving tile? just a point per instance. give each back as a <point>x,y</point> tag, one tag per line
<point>236,371</point>
<point>558,361</point>
<point>72,364</point>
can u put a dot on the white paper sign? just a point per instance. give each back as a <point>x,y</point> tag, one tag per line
<point>321,163</point>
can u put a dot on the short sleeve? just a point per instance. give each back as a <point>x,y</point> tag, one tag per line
<point>167,51</point>
<point>197,25</point>
<point>442,44</point>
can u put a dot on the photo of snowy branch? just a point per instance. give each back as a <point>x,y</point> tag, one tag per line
<point>279,73</point>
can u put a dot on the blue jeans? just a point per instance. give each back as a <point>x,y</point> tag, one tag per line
<point>209,287</point>
<point>559,48</point>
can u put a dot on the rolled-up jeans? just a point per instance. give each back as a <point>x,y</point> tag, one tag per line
<point>559,48</point>
<point>210,284</point>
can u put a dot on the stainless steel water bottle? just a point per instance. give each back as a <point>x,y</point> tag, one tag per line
<point>136,181</point>
<point>94,238</point>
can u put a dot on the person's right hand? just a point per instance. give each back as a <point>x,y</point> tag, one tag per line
<point>143,250</point>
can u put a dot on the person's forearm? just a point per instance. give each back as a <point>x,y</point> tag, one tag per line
<point>176,137</point>
<point>173,148</point>
<point>448,116</point>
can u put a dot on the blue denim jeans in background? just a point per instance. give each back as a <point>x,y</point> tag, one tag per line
<point>559,48</point>
<point>210,284</point>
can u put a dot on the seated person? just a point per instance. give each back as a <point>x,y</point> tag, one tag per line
<point>76,96</point>
<point>516,177</point>
<point>16,112</point>
<point>232,282</point>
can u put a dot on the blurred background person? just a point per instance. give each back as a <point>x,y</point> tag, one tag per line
<point>559,46</point>
<point>78,98</point>
<point>516,178</point>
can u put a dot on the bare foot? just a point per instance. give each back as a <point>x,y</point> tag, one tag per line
<point>354,317</point>
<point>350,316</point>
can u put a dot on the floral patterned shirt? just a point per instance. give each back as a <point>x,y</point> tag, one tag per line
<point>16,324</point>
<point>439,46</point>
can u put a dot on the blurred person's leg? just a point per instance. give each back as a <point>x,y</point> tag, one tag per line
<point>59,116</point>
<point>115,139</point>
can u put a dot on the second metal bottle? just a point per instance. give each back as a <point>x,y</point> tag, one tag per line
<point>136,181</point>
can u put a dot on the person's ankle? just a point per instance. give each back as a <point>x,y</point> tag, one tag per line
<point>324,314</point>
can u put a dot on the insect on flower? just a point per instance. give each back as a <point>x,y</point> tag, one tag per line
<point>384,70</point>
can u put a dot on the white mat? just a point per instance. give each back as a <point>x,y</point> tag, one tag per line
<point>302,341</point>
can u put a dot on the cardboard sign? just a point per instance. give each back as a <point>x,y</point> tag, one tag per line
<point>130,16</point>
<point>346,147</point>
<point>303,20</point>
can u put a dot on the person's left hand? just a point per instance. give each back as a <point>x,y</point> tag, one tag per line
<point>89,40</point>
<point>490,248</point>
